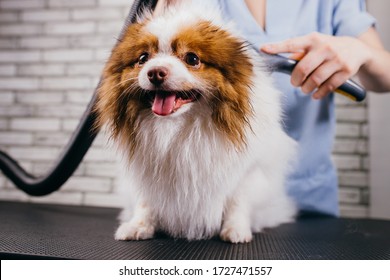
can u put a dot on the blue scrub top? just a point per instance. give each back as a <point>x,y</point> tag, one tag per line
<point>313,184</point>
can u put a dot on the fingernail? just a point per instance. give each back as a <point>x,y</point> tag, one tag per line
<point>294,83</point>
<point>297,56</point>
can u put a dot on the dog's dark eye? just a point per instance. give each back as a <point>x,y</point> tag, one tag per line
<point>192,59</point>
<point>143,58</point>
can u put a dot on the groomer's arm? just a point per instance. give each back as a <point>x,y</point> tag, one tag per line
<point>375,73</point>
<point>328,61</point>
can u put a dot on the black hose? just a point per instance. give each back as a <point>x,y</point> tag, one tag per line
<point>76,148</point>
<point>67,163</point>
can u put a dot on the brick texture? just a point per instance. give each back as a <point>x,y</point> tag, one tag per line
<point>51,56</point>
<point>351,155</point>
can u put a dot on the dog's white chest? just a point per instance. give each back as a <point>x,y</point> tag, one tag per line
<point>187,174</point>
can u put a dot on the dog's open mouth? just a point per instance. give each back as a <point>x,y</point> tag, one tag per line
<point>167,102</point>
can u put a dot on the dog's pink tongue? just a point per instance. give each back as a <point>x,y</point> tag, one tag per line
<point>163,104</point>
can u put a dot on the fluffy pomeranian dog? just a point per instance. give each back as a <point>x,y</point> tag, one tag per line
<point>198,123</point>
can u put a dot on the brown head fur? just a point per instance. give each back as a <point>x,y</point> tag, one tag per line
<point>228,71</point>
<point>225,68</point>
<point>119,96</point>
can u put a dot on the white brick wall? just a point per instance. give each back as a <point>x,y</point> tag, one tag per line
<point>351,155</point>
<point>21,4</point>
<point>51,56</point>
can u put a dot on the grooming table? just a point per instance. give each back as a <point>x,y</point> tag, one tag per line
<point>42,231</point>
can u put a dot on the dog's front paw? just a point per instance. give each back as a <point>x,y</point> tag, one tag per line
<point>236,235</point>
<point>134,231</point>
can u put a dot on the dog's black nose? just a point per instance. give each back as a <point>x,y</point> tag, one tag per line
<point>158,75</point>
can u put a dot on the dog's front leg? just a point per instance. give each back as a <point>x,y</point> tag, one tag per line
<point>236,226</point>
<point>141,226</point>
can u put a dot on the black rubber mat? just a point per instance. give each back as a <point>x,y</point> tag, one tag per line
<point>33,231</point>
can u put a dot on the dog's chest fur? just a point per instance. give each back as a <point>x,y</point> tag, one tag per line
<point>187,170</point>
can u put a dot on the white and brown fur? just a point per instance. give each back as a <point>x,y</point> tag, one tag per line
<point>214,166</point>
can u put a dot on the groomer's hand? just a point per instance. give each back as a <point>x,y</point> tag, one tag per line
<point>326,62</point>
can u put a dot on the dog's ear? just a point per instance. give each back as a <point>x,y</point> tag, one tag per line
<point>231,113</point>
<point>228,69</point>
<point>118,102</point>
<point>116,107</point>
<point>108,93</point>
<point>231,105</point>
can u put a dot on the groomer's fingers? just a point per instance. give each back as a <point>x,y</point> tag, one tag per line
<point>319,76</point>
<point>346,54</point>
<point>330,85</point>
<point>293,45</point>
<point>306,66</point>
<point>297,55</point>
